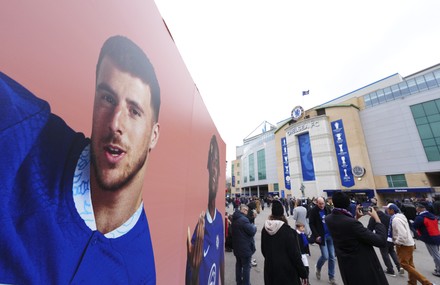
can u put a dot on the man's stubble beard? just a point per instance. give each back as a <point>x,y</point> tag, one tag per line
<point>126,176</point>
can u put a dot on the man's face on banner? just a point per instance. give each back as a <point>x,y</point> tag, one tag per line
<point>123,130</point>
<point>214,172</point>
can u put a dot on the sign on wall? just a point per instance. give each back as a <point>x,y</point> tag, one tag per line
<point>286,169</point>
<point>342,154</point>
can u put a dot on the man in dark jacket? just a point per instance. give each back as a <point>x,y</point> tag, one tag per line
<point>357,260</point>
<point>243,245</point>
<point>409,210</point>
<point>388,250</point>
<point>436,206</point>
<point>321,235</point>
<point>426,225</point>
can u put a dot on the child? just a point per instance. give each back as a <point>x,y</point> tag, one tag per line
<point>303,244</point>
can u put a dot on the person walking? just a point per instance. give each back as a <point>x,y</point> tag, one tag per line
<point>300,216</point>
<point>252,214</point>
<point>408,209</point>
<point>243,244</point>
<point>279,246</point>
<point>354,244</point>
<point>321,235</point>
<point>291,205</point>
<point>387,250</point>
<point>426,225</point>
<point>303,244</point>
<point>400,232</point>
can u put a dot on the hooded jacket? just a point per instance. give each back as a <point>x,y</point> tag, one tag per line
<point>426,225</point>
<point>243,233</point>
<point>401,231</point>
<point>282,257</point>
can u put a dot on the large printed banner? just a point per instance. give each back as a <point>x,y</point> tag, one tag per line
<point>342,154</point>
<point>285,154</point>
<point>111,162</point>
<point>305,150</point>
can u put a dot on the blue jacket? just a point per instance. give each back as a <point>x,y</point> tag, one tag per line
<point>426,225</point>
<point>243,233</point>
<point>43,239</point>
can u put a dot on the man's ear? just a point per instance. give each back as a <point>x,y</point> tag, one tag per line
<point>154,135</point>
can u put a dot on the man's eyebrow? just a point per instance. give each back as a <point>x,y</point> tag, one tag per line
<point>103,86</point>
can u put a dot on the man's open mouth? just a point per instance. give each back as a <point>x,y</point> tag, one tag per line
<point>113,151</point>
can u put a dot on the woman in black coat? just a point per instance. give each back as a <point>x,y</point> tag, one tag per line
<point>279,245</point>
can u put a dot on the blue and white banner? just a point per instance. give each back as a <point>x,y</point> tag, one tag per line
<point>285,163</point>
<point>305,150</point>
<point>342,154</point>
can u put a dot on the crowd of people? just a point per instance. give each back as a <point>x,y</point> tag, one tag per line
<point>333,225</point>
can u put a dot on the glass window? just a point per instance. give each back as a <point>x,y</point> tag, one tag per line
<point>276,187</point>
<point>261,161</point>
<point>433,119</point>
<point>437,75</point>
<point>427,118</point>
<point>367,101</point>
<point>421,83</point>
<point>435,126</point>
<point>430,108</point>
<point>238,182</point>
<point>421,121</point>
<point>374,100</point>
<point>432,153</point>
<point>396,91</point>
<point>412,85</point>
<point>418,111</point>
<point>381,96</point>
<point>430,80</point>
<point>388,94</point>
<point>425,131</point>
<point>251,168</point>
<point>428,142</point>
<point>404,88</point>
<point>245,169</point>
<point>397,180</point>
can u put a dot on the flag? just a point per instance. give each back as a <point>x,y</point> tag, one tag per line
<point>306,92</point>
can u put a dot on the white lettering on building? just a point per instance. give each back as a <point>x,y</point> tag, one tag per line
<point>303,127</point>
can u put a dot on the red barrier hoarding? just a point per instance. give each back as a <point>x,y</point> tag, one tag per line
<point>52,49</point>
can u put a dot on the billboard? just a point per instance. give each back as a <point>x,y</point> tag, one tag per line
<point>159,169</point>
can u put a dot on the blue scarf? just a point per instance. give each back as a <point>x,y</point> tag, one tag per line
<point>390,227</point>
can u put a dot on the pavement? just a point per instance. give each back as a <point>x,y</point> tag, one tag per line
<point>422,260</point>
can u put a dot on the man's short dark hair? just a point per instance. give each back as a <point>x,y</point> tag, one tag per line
<point>421,205</point>
<point>129,57</point>
<point>341,200</point>
<point>213,147</point>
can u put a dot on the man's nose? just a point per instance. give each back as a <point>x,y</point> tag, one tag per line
<point>117,119</point>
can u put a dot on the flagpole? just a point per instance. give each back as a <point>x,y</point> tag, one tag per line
<point>304,93</point>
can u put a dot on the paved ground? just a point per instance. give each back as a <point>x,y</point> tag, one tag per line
<point>422,260</point>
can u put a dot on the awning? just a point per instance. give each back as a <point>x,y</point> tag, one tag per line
<point>406,190</point>
<point>368,192</point>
